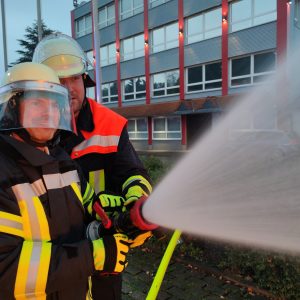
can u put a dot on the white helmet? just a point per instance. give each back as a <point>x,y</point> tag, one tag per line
<point>63,54</point>
<point>29,80</point>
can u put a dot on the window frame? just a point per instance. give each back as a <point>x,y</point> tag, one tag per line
<point>86,29</point>
<point>251,75</point>
<point>165,42</point>
<point>204,81</point>
<point>150,5</point>
<point>165,88</point>
<point>134,52</point>
<point>132,11</point>
<point>109,96</point>
<point>166,131</point>
<point>133,135</point>
<point>252,17</point>
<point>107,20</point>
<point>134,93</point>
<point>204,32</point>
<point>109,60</point>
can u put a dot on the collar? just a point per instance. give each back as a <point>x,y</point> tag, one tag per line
<point>85,118</point>
<point>35,157</point>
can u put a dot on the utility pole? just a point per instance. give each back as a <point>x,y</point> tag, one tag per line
<point>4,35</point>
<point>39,19</point>
<point>96,50</point>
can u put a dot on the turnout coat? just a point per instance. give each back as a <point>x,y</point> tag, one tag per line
<point>43,250</point>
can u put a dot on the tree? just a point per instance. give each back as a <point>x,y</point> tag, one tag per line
<point>30,41</point>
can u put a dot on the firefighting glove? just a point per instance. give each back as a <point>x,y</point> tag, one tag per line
<point>110,253</point>
<point>112,204</point>
<point>140,239</point>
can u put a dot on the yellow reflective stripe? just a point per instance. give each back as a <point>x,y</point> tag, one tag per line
<point>77,191</point>
<point>89,192</point>
<point>42,220</point>
<point>26,220</point>
<point>98,140</point>
<point>33,270</point>
<point>23,268</point>
<point>97,180</point>
<point>11,224</point>
<point>140,179</point>
<point>57,181</point>
<point>35,222</point>
<point>43,270</point>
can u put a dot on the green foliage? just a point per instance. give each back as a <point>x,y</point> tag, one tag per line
<point>30,42</point>
<point>155,167</point>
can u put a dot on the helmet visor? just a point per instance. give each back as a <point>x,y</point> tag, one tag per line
<point>35,104</point>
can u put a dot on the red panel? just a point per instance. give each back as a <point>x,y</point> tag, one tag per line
<point>181,48</point>
<point>282,10</point>
<point>149,131</point>
<point>147,62</point>
<point>224,47</point>
<point>183,129</point>
<point>94,53</point>
<point>118,53</point>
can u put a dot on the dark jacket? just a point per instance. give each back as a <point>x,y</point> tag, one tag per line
<point>43,249</point>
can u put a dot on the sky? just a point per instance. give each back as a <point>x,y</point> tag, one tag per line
<point>22,13</point>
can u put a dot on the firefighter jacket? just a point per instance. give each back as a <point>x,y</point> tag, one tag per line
<point>43,250</point>
<point>105,153</point>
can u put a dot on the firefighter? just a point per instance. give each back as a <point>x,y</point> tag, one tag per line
<point>44,253</point>
<point>102,147</point>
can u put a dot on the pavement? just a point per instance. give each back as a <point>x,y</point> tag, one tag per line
<point>185,279</point>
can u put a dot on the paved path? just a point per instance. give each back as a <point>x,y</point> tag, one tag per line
<point>183,280</point>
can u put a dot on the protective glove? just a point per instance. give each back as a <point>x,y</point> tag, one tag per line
<point>111,203</point>
<point>110,253</point>
<point>140,239</point>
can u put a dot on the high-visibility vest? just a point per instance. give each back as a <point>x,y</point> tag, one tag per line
<point>106,134</point>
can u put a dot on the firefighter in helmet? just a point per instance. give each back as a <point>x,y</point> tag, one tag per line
<point>102,147</point>
<point>43,246</point>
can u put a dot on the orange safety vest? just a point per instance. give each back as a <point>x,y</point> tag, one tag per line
<point>106,134</point>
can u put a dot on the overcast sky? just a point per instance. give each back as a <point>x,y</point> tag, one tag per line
<point>22,13</point>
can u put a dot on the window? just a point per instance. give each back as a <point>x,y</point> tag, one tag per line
<point>166,128</point>
<point>134,88</point>
<point>204,26</point>
<point>153,3</point>
<point>165,38</point>
<point>297,14</point>
<point>138,129</point>
<point>109,92</point>
<point>83,25</point>
<point>133,47</point>
<point>251,69</point>
<point>90,92</point>
<point>204,77</point>
<point>108,54</point>
<point>248,13</point>
<point>90,57</point>
<point>166,83</point>
<point>106,16</point>
<point>130,8</point>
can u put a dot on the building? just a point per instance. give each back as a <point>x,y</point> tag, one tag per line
<point>171,66</point>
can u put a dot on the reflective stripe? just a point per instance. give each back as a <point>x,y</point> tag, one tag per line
<point>57,181</point>
<point>11,224</point>
<point>98,140</point>
<point>140,180</point>
<point>33,269</point>
<point>97,180</point>
<point>77,191</point>
<point>88,193</point>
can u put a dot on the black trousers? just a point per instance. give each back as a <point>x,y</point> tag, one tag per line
<point>106,287</point>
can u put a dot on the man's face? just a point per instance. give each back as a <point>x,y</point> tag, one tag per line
<point>37,115</point>
<point>75,86</point>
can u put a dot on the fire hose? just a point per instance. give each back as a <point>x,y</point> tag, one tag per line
<point>131,222</point>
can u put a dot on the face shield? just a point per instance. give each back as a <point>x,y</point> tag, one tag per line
<point>35,104</point>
